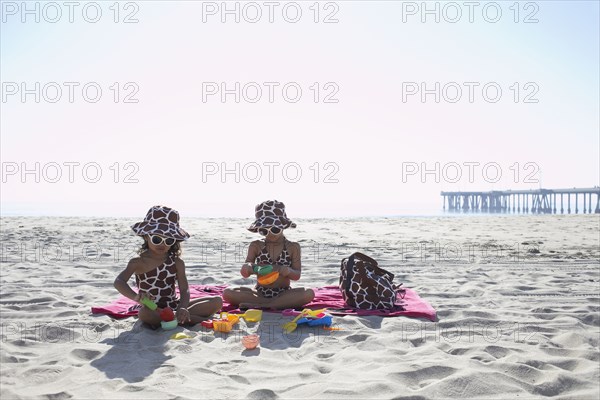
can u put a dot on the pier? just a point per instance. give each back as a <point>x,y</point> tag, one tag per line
<point>538,201</point>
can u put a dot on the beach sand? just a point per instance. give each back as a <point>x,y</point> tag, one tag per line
<point>517,299</point>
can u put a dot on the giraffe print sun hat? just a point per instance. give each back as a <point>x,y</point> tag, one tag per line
<point>268,214</point>
<point>163,221</point>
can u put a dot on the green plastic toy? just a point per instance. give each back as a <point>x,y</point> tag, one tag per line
<point>149,303</point>
<point>263,269</point>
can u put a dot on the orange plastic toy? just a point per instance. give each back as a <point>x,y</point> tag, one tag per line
<point>220,325</point>
<point>250,341</point>
<point>225,324</point>
<point>268,278</point>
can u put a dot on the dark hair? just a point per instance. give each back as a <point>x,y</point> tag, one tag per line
<point>173,250</point>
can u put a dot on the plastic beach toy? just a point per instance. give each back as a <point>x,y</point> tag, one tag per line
<point>168,320</point>
<point>168,325</point>
<point>268,278</point>
<point>250,341</point>
<point>208,324</point>
<point>308,317</point>
<point>265,273</point>
<point>251,315</point>
<point>166,314</point>
<point>180,335</point>
<point>149,303</point>
<point>290,327</point>
<point>226,322</point>
<point>325,321</point>
<point>290,312</point>
<point>263,269</point>
<point>222,325</point>
<point>233,318</point>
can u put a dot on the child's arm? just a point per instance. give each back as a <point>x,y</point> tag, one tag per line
<point>293,272</point>
<point>121,281</point>
<point>247,268</point>
<point>183,314</point>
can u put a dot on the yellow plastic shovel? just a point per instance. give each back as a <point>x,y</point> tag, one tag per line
<point>290,327</point>
<point>251,315</point>
<point>315,313</point>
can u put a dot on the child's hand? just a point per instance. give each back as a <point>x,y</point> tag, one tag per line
<point>247,270</point>
<point>141,296</point>
<point>183,315</point>
<point>282,269</point>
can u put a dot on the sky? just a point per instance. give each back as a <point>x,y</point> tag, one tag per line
<point>338,109</point>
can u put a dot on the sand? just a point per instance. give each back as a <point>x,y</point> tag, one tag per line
<point>517,298</point>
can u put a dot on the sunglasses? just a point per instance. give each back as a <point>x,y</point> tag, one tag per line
<point>272,229</point>
<point>157,240</point>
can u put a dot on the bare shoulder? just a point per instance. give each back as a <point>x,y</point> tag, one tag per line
<point>256,243</point>
<point>293,246</point>
<point>135,264</point>
<point>179,263</point>
<point>255,246</point>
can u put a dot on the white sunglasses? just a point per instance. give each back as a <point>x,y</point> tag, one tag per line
<point>272,229</point>
<point>157,240</point>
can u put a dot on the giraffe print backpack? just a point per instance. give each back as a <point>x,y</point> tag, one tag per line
<point>366,286</point>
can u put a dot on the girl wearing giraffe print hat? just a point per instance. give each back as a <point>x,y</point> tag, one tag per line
<point>159,267</point>
<point>277,251</point>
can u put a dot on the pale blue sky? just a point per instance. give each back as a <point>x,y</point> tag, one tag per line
<point>368,134</point>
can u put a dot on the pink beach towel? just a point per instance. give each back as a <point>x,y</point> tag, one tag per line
<point>328,296</point>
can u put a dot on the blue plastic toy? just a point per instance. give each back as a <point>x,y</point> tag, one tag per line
<point>324,321</point>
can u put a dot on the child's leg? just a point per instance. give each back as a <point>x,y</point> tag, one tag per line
<point>201,309</point>
<point>288,299</point>
<point>241,295</point>
<point>292,298</point>
<point>150,317</point>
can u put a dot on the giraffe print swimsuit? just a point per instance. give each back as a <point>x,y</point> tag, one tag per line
<point>160,283</point>
<point>265,258</point>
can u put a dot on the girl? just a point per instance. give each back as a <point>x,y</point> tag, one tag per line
<point>158,268</point>
<point>277,251</point>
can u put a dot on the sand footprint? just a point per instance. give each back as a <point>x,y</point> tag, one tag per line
<point>323,369</point>
<point>421,377</point>
<point>459,351</point>
<point>562,384</point>
<point>226,366</point>
<point>497,351</point>
<point>240,379</point>
<point>85,354</point>
<point>262,394</point>
<point>357,338</point>
<point>42,375</point>
<point>325,356</point>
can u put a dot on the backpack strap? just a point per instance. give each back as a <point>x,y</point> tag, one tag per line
<point>365,258</point>
<point>378,270</point>
<point>400,290</point>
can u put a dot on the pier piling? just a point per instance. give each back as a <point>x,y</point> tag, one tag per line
<point>543,201</point>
